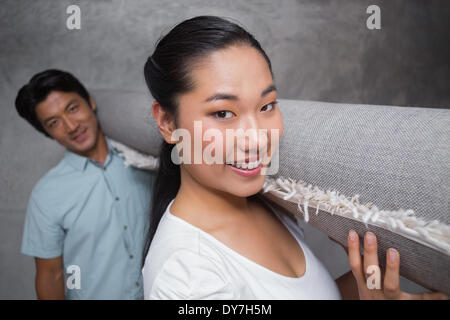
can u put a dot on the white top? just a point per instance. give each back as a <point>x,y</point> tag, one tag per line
<point>185,262</point>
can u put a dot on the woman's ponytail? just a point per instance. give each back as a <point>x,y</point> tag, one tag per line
<point>165,189</point>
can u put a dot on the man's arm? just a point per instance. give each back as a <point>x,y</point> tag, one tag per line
<point>49,278</point>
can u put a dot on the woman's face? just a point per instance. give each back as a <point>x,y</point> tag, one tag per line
<point>233,90</point>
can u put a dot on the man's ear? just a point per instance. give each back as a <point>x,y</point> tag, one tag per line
<point>92,104</point>
<point>165,122</point>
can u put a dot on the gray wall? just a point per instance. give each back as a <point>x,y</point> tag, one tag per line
<point>320,50</point>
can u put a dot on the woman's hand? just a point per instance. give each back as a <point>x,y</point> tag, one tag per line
<point>368,274</point>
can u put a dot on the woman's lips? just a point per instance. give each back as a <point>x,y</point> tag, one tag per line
<point>246,172</point>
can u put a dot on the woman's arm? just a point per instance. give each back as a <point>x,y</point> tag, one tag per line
<point>347,283</point>
<point>389,285</point>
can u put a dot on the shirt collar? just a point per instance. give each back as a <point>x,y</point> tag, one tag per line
<point>79,162</point>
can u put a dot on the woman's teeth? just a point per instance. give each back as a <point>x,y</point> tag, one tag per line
<point>246,166</point>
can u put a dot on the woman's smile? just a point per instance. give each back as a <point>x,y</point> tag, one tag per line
<point>246,170</point>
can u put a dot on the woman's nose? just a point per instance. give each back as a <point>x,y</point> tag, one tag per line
<point>253,138</point>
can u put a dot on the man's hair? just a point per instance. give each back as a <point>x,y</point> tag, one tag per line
<point>39,87</point>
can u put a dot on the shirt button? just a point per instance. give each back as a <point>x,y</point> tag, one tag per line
<point>137,284</point>
<point>131,256</point>
<point>125,227</point>
<point>117,198</point>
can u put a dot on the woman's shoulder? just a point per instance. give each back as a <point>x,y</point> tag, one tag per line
<point>171,236</point>
<point>175,234</point>
<point>288,219</point>
<point>182,263</point>
<point>186,274</point>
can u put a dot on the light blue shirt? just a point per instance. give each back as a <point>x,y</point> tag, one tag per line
<point>96,216</point>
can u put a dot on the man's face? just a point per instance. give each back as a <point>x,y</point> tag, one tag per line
<point>70,120</point>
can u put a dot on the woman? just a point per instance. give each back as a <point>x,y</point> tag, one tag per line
<point>215,237</point>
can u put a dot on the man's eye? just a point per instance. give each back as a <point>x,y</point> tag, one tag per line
<point>269,107</point>
<point>223,114</point>
<point>73,108</point>
<point>52,124</point>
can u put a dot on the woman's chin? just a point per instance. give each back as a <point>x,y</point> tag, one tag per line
<point>246,189</point>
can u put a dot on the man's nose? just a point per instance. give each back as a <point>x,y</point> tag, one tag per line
<point>70,124</point>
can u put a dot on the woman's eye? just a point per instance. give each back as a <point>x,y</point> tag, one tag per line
<point>269,107</point>
<point>223,114</point>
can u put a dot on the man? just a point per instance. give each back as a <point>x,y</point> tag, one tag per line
<point>87,217</point>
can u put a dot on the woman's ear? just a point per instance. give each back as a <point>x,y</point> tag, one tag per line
<point>165,122</point>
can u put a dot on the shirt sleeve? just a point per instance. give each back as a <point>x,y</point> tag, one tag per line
<point>187,275</point>
<point>43,235</point>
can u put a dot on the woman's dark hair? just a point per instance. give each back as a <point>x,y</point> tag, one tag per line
<point>167,74</point>
<point>39,87</point>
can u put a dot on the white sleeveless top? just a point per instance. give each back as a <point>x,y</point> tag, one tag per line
<point>185,262</point>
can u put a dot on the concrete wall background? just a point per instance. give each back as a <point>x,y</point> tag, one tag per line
<point>320,50</point>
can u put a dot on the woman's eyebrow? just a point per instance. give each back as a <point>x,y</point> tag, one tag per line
<point>226,96</point>
<point>268,89</point>
<point>221,96</point>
